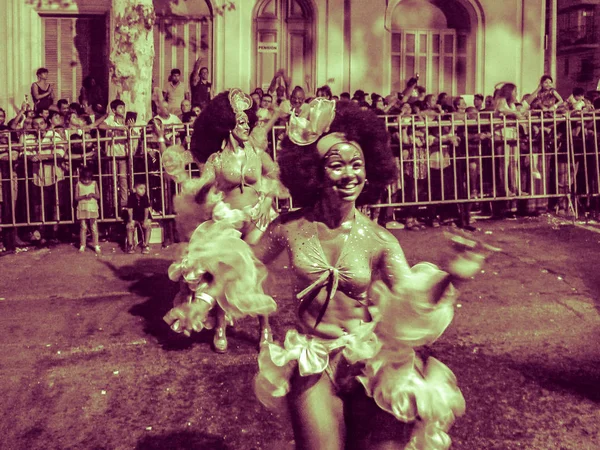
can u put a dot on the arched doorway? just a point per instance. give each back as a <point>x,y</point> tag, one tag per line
<point>283,39</point>
<point>436,39</point>
<point>182,34</point>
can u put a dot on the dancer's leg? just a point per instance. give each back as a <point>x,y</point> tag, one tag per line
<point>317,414</point>
<point>220,338</point>
<point>264,330</point>
<point>252,235</point>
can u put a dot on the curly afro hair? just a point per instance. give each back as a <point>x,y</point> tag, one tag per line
<point>213,126</point>
<point>302,167</point>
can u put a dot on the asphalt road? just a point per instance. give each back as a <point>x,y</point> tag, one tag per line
<point>86,362</point>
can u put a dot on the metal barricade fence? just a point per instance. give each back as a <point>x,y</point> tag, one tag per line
<point>586,162</point>
<point>39,173</point>
<point>441,160</point>
<point>453,160</point>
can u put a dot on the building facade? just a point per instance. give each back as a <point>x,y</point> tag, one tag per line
<point>577,47</point>
<point>456,46</point>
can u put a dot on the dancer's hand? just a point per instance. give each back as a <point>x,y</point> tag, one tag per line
<point>470,255</point>
<point>264,213</point>
<point>466,265</point>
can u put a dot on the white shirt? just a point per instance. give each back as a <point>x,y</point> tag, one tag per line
<point>119,146</point>
<point>171,120</point>
<point>175,95</point>
<point>169,130</point>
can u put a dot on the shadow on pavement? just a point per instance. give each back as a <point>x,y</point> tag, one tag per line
<point>591,276</point>
<point>182,440</point>
<point>148,279</point>
<point>517,404</point>
<point>577,379</point>
<point>581,250</point>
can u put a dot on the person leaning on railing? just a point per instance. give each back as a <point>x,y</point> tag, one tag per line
<point>506,148</point>
<point>118,127</point>
<point>585,156</point>
<point>414,143</point>
<point>467,162</point>
<point>546,95</point>
<point>24,117</point>
<point>79,131</point>
<point>44,148</point>
<point>3,128</point>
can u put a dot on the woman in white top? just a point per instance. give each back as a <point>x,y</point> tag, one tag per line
<point>507,147</point>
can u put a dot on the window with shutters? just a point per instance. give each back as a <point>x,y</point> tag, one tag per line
<point>438,56</point>
<point>436,40</point>
<point>75,47</point>
<point>178,43</point>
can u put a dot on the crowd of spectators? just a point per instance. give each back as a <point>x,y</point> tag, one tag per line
<point>458,150</point>
<point>456,154</point>
<point>51,140</point>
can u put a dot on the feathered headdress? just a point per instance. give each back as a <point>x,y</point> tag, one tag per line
<point>312,122</point>
<point>239,101</point>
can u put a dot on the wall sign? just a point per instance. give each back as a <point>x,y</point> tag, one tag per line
<point>267,47</point>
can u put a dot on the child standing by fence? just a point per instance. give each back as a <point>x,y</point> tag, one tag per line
<point>87,196</point>
<point>138,208</point>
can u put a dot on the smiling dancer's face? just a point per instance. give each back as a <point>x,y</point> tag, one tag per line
<point>344,172</point>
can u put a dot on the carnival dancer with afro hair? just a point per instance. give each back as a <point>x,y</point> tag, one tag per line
<point>221,213</point>
<point>348,374</point>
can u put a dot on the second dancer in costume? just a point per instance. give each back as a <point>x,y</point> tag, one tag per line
<point>232,198</point>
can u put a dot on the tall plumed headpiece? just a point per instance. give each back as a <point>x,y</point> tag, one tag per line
<point>312,122</point>
<point>239,101</point>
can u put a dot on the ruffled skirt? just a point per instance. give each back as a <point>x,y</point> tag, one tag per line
<point>216,253</point>
<point>401,383</point>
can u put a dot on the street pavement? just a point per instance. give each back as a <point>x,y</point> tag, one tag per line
<point>87,363</point>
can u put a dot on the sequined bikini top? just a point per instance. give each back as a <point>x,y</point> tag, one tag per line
<point>350,274</point>
<point>231,172</point>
